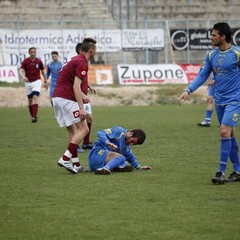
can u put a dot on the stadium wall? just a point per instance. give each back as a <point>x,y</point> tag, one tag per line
<point>168,15</point>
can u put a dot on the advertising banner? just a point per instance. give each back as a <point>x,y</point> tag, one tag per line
<point>142,39</point>
<point>191,70</point>
<point>236,37</point>
<point>9,74</point>
<point>151,74</point>
<point>100,74</point>
<point>14,44</point>
<point>197,39</point>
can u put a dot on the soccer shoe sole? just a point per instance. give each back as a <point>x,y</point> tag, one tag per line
<point>201,125</point>
<point>80,170</point>
<point>80,150</point>
<point>233,180</point>
<point>68,169</point>
<point>87,147</point>
<point>102,172</point>
<point>124,169</point>
<point>217,181</point>
<point>34,120</point>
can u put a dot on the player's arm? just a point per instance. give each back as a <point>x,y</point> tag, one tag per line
<point>44,75</point>
<point>130,157</point>
<point>48,72</point>
<point>85,98</point>
<point>92,89</point>
<point>22,73</point>
<point>200,79</point>
<point>106,135</point>
<point>45,85</point>
<point>78,95</point>
<point>211,83</point>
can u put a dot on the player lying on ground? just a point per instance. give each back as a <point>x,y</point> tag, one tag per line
<point>112,151</point>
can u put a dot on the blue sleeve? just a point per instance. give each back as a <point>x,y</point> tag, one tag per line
<point>202,76</point>
<point>106,135</point>
<point>132,159</point>
<point>48,71</point>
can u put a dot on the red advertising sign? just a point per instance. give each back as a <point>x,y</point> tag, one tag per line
<point>137,74</point>
<point>191,70</point>
<point>9,74</point>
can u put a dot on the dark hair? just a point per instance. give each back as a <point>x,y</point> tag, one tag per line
<point>224,29</point>
<point>54,52</point>
<point>139,134</point>
<point>31,49</point>
<point>78,48</point>
<point>87,44</point>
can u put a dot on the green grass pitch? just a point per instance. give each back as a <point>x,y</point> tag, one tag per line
<point>175,200</point>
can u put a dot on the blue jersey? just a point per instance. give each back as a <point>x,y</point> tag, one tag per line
<point>53,69</point>
<point>225,66</point>
<point>117,136</point>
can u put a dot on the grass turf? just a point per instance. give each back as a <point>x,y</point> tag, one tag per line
<point>175,200</point>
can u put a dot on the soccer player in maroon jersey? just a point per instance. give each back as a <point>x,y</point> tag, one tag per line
<point>30,72</point>
<point>88,109</point>
<point>68,103</point>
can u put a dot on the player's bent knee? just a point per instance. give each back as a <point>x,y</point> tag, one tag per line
<point>112,155</point>
<point>121,159</point>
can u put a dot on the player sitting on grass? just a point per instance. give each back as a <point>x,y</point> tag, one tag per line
<point>113,149</point>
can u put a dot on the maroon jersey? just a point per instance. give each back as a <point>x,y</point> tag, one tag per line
<point>32,68</point>
<point>76,66</point>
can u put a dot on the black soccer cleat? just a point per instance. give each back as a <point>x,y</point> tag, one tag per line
<point>34,119</point>
<point>87,146</point>
<point>127,168</point>
<point>234,177</point>
<point>219,178</point>
<point>102,171</point>
<point>204,124</point>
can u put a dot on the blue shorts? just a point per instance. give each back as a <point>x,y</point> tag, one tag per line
<point>228,115</point>
<point>97,158</point>
<point>211,91</point>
